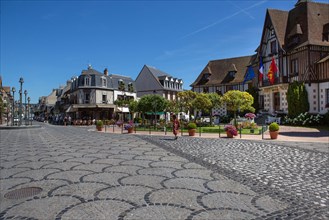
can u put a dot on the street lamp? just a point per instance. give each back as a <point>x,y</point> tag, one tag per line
<point>28,110</point>
<point>21,81</point>
<point>13,90</point>
<point>155,107</point>
<point>25,93</point>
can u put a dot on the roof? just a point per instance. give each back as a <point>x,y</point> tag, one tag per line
<point>217,71</point>
<point>279,20</point>
<point>91,71</point>
<point>310,26</point>
<point>157,73</point>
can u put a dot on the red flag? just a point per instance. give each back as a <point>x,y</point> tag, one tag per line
<point>273,69</point>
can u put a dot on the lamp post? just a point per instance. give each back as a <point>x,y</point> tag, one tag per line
<point>28,110</point>
<point>155,107</point>
<point>13,113</point>
<point>25,93</point>
<point>21,81</point>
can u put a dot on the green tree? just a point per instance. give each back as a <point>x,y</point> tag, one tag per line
<point>133,107</point>
<point>297,99</point>
<point>185,100</point>
<point>216,102</point>
<point>255,93</point>
<point>152,103</point>
<point>236,100</point>
<point>173,106</point>
<point>202,102</point>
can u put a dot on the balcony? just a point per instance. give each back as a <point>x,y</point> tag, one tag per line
<point>277,80</point>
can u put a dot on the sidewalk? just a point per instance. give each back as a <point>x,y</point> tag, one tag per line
<point>286,133</point>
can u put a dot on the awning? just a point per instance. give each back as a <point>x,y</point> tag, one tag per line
<point>123,109</point>
<point>106,106</point>
<point>84,106</point>
<point>157,113</point>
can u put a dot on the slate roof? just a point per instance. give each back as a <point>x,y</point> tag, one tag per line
<point>157,73</point>
<point>91,71</point>
<point>218,71</point>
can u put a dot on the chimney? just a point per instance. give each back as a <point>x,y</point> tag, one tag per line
<point>106,72</point>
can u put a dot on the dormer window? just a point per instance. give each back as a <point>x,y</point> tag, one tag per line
<point>130,87</point>
<point>121,86</point>
<point>232,74</point>
<point>103,81</point>
<point>87,80</point>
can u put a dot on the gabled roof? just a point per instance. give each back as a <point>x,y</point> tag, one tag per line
<point>307,20</point>
<point>279,21</point>
<point>218,71</point>
<point>157,73</point>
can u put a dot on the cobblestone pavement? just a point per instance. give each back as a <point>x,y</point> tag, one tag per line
<point>83,174</point>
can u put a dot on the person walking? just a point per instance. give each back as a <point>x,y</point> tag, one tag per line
<point>176,126</point>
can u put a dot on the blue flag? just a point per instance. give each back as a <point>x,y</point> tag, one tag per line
<point>249,75</point>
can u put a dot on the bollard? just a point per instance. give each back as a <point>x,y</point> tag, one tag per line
<point>262,131</point>
<point>219,130</point>
<point>240,131</point>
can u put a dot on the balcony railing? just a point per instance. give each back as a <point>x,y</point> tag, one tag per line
<point>277,80</point>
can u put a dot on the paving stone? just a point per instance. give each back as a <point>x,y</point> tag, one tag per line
<point>91,175</point>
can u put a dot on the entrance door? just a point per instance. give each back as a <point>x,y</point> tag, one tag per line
<point>276,101</point>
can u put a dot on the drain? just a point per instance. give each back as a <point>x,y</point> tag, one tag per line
<point>23,193</point>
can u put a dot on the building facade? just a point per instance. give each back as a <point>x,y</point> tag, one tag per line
<point>298,42</point>
<point>153,81</point>
<point>93,94</point>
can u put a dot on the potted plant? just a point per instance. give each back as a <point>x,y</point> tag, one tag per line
<point>129,127</point>
<point>230,131</point>
<point>191,128</point>
<point>99,125</point>
<point>274,130</point>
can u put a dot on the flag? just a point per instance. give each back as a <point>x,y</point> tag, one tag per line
<point>271,72</point>
<point>261,69</point>
<point>249,75</point>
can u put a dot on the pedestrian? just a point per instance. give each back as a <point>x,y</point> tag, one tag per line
<point>176,126</point>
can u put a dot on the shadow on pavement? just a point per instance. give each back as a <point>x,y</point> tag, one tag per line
<point>305,134</point>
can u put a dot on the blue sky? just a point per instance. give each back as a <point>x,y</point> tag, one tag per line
<point>48,42</point>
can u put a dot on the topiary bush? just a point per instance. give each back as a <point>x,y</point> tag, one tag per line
<point>274,126</point>
<point>191,125</point>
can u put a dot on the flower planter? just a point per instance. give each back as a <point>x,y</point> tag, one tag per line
<point>229,135</point>
<point>130,130</point>
<point>191,132</point>
<point>99,128</point>
<point>274,134</point>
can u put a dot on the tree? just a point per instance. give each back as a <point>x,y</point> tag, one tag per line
<point>133,107</point>
<point>152,103</point>
<point>216,101</point>
<point>173,106</point>
<point>255,93</point>
<point>297,99</point>
<point>185,100</point>
<point>236,100</point>
<point>202,102</point>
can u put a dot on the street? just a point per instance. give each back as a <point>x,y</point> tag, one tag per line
<point>57,172</point>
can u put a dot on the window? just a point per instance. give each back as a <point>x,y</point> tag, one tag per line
<point>294,67</point>
<point>232,74</point>
<point>87,80</point>
<point>103,82</point>
<point>205,89</point>
<point>327,97</point>
<point>130,87</point>
<point>87,98</point>
<point>121,85</point>
<point>273,47</point>
<point>104,99</point>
